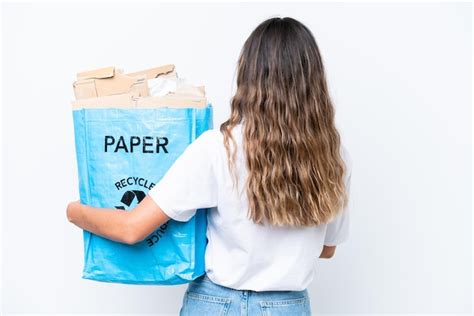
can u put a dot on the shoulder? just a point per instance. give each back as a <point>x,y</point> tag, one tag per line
<point>207,141</point>
<point>208,137</point>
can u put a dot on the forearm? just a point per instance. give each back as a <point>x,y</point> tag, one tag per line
<point>105,222</point>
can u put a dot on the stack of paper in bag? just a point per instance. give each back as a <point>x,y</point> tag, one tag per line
<point>150,88</point>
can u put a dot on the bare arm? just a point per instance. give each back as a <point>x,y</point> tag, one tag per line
<point>327,252</point>
<point>127,227</point>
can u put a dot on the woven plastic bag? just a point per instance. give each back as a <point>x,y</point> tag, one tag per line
<point>121,153</point>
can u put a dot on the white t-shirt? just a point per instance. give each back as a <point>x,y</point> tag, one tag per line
<point>241,254</point>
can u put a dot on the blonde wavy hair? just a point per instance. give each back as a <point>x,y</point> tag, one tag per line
<point>291,145</point>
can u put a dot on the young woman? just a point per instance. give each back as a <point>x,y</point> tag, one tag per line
<point>275,175</point>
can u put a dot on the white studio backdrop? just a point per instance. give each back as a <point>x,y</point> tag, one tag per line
<point>400,77</point>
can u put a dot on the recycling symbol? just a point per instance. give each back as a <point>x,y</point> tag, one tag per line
<point>129,197</point>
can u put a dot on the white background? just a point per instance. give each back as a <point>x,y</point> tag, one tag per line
<point>400,76</point>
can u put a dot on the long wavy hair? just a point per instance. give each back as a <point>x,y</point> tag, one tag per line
<point>291,145</point>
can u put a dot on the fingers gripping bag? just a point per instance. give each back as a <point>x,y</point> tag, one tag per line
<point>126,140</point>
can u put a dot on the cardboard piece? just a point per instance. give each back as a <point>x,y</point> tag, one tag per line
<point>175,101</point>
<point>125,100</point>
<point>110,81</point>
<point>109,87</point>
<point>154,72</point>
<point>129,100</point>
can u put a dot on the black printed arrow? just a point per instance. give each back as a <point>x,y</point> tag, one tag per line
<point>129,196</point>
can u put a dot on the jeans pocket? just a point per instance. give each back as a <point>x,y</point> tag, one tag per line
<point>294,306</point>
<point>198,304</point>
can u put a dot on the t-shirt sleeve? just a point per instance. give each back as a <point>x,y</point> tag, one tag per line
<point>190,183</point>
<point>337,230</point>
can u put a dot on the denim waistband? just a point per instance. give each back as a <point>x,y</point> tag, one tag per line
<point>203,296</point>
<point>206,278</point>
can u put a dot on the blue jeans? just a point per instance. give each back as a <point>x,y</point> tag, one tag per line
<point>203,297</point>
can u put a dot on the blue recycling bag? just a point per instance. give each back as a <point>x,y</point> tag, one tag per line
<point>121,154</point>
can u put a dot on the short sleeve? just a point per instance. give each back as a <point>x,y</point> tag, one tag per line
<point>337,230</point>
<point>190,183</point>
